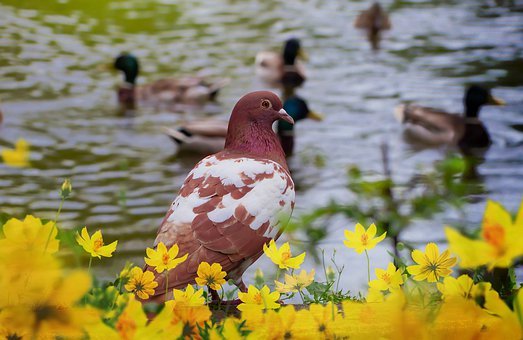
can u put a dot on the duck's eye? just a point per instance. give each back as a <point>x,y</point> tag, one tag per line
<point>266,104</point>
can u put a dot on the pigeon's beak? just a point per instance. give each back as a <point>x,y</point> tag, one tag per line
<point>282,114</point>
<point>496,101</point>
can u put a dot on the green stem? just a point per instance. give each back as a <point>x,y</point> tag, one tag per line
<point>118,293</point>
<point>89,272</point>
<point>301,295</point>
<point>278,272</point>
<point>368,265</point>
<point>54,225</point>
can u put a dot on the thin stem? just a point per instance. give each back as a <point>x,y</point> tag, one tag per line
<point>368,265</point>
<point>119,291</point>
<point>278,272</point>
<point>90,262</point>
<point>301,295</point>
<point>54,225</point>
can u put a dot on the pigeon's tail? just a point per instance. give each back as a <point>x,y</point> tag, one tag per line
<point>180,136</point>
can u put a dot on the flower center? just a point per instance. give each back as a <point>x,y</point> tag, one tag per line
<point>386,277</point>
<point>364,239</point>
<point>98,243</point>
<point>126,327</point>
<point>165,258</point>
<point>494,234</point>
<point>285,256</point>
<point>258,298</point>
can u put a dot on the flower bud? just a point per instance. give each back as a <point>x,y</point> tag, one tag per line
<point>331,274</point>
<point>66,188</point>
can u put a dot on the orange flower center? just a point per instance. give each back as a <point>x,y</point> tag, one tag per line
<point>494,234</point>
<point>98,243</point>
<point>126,327</point>
<point>386,277</point>
<point>285,256</point>
<point>165,258</point>
<point>258,298</point>
<point>364,239</point>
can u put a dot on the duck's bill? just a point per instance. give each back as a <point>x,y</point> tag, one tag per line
<point>496,101</point>
<point>283,115</point>
<point>315,116</point>
<point>303,55</point>
<point>105,67</point>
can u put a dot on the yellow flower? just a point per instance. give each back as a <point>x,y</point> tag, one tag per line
<point>258,299</point>
<point>500,239</point>
<point>431,266</point>
<point>29,235</point>
<point>189,297</point>
<point>283,256</point>
<point>133,324</point>
<point>326,318</point>
<point>391,278</point>
<point>374,295</point>
<point>507,325</point>
<point>463,287</point>
<point>361,239</point>
<point>140,283</point>
<point>210,275</point>
<point>95,245</point>
<point>162,259</point>
<point>54,314</point>
<point>19,156</point>
<point>295,283</point>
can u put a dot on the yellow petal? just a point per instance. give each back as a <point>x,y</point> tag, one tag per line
<point>432,252</point>
<point>372,230</point>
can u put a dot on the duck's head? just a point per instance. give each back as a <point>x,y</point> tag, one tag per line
<point>291,50</point>
<point>298,109</point>
<point>475,97</point>
<point>128,64</point>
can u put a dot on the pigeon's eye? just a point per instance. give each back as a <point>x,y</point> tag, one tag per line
<point>266,104</point>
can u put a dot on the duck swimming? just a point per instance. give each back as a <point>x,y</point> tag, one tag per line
<point>275,68</point>
<point>208,136</point>
<point>184,90</point>
<point>435,127</point>
<point>373,20</point>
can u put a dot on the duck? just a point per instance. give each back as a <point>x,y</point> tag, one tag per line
<point>433,126</point>
<point>207,136</point>
<point>274,68</point>
<point>193,90</point>
<point>374,20</point>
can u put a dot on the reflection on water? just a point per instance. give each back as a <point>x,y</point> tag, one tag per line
<point>56,94</point>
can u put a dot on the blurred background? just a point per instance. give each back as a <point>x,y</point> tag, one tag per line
<point>57,92</point>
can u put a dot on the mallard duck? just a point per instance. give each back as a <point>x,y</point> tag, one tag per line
<point>185,90</point>
<point>434,126</point>
<point>208,136</point>
<point>273,67</point>
<point>373,21</point>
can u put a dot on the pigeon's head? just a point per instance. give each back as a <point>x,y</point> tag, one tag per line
<point>260,108</point>
<point>250,126</point>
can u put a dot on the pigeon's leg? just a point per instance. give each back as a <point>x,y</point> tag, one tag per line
<point>241,286</point>
<point>215,298</point>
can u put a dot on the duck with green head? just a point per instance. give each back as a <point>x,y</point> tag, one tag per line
<point>208,136</point>
<point>434,126</point>
<point>275,68</point>
<point>184,90</point>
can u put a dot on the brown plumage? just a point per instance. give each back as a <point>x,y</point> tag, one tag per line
<point>232,202</point>
<point>374,20</point>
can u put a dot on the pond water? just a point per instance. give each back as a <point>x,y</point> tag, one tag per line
<point>55,94</point>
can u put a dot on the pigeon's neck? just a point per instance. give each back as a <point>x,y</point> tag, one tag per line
<point>256,139</point>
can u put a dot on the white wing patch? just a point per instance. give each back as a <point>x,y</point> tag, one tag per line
<point>269,192</point>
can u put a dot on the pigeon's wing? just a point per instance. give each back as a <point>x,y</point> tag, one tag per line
<point>227,208</point>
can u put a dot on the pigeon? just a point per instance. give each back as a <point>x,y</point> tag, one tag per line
<point>232,202</point>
